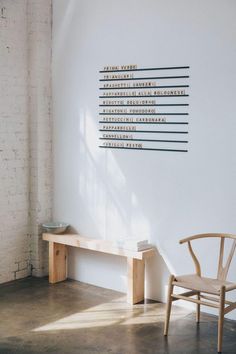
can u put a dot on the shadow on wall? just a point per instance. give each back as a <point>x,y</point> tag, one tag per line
<point>109,196</point>
<point>107,203</point>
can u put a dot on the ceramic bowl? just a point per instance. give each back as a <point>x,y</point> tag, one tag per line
<point>55,227</point>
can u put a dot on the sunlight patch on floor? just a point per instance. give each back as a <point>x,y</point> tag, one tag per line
<point>113,313</point>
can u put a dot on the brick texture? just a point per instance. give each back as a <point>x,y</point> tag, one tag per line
<point>25,136</point>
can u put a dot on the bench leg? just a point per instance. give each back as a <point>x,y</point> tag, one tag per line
<point>57,262</point>
<point>135,279</point>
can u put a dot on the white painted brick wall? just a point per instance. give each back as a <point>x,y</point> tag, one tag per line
<point>39,31</point>
<point>25,135</point>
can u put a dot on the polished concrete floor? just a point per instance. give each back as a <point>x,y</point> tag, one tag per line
<point>71,317</point>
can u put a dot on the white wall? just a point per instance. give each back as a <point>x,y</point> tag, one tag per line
<point>165,196</point>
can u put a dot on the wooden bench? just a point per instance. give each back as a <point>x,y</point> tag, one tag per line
<point>135,260</point>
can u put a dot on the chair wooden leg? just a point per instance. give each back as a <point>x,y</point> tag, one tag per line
<point>169,304</point>
<point>221,318</point>
<point>198,309</point>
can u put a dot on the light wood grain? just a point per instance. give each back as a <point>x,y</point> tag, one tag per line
<point>135,280</point>
<point>169,304</point>
<point>196,301</point>
<point>223,270</point>
<point>221,256</point>
<point>195,237</point>
<point>221,319</point>
<point>135,260</point>
<point>97,245</point>
<point>186,294</point>
<point>57,262</point>
<point>195,260</point>
<point>198,307</point>
<point>216,299</point>
<point>230,308</point>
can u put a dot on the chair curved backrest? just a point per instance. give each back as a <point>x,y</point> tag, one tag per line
<point>222,269</point>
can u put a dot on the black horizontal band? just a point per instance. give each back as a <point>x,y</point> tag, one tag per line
<point>143,96</point>
<point>143,131</point>
<point>146,69</point>
<point>141,87</point>
<point>108,122</point>
<point>150,140</point>
<point>143,114</point>
<point>146,105</point>
<point>152,149</point>
<point>149,78</point>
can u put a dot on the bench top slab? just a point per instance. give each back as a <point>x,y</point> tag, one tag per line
<point>76,240</point>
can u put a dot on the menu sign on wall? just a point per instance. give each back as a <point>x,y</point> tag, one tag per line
<point>144,108</point>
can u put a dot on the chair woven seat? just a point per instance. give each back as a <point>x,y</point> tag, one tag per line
<point>203,284</point>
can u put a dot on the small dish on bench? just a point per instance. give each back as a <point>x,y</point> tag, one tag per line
<point>55,227</point>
